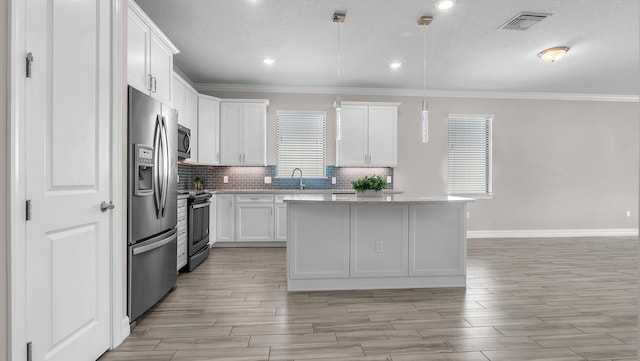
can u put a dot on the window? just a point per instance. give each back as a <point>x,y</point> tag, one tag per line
<point>469,170</point>
<point>301,143</point>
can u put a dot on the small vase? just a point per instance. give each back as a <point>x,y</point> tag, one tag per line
<point>370,193</point>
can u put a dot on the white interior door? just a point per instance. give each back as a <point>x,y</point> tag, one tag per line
<point>67,177</point>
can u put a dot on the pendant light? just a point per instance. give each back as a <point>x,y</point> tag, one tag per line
<point>338,18</point>
<point>424,21</point>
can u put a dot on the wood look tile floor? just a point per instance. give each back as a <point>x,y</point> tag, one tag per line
<point>526,299</point>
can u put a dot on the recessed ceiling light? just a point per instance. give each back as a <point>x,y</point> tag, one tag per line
<point>445,4</point>
<point>395,65</point>
<point>269,61</point>
<point>552,55</point>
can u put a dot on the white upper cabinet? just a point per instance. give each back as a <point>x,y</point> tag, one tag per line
<point>149,56</point>
<point>185,102</point>
<point>208,130</point>
<point>180,99</point>
<point>243,124</point>
<point>369,135</point>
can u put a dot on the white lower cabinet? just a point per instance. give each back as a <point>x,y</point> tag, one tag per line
<point>280,210</point>
<point>225,217</point>
<point>182,233</point>
<point>255,222</point>
<point>254,217</point>
<point>213,221</point>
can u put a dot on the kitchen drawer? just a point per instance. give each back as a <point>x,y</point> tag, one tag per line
<point>280,197</point>
<point>182,254</point>
<point>182,218</point>
<point>254,198</point>
<point>182,234</point>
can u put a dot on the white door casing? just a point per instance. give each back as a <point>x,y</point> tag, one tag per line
<point>67,172</point>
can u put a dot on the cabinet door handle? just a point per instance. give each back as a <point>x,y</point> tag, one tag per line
<point>150,87</point>
<point>155,84</point>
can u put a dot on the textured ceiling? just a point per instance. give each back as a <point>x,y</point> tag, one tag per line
<point>223,42</point>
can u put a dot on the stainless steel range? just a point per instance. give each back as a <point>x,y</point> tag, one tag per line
<point>198,208</point>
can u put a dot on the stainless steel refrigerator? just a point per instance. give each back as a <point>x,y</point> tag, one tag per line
<point>152,201</point>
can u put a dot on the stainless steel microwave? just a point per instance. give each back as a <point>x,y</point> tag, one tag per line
<point>184,142</point>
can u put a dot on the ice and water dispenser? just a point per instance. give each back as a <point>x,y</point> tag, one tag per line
<point>144,167</point>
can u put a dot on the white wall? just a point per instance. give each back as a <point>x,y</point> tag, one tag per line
<point>557,164</point>
<point>3,179</point>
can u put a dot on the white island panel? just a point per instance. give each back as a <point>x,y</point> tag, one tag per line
<point>318,246</point>
<point>350,243</point>
<point>437,240</point>
<point>379,240</point>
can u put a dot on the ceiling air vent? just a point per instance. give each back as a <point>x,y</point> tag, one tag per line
<point>524,21</point>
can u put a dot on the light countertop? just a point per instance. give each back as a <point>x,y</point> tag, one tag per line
<point>287,191</point>
<point>386,199</point>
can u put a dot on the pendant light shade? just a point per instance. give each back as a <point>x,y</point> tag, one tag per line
<point>424,123</point>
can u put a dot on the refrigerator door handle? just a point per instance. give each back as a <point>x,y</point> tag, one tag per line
<point>136,250</point>
<point>157,139</point>
<point>165,168</point>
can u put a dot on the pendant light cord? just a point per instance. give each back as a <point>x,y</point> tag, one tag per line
<point>338,84</point>
<point>424,61</point>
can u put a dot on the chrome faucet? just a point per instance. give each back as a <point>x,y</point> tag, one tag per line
<point>294,172</point>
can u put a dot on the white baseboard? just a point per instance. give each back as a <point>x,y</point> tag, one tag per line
<point>125,330</point>
<point>242,244</point>
<point>548,233</point>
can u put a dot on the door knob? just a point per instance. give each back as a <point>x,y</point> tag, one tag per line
<point>104,206</point>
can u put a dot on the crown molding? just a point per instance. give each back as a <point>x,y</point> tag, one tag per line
<point>416,92</point>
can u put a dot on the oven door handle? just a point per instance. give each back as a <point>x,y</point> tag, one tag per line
<point>151,246</point>
<point>201,205</point>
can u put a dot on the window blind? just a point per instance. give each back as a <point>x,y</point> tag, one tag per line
<point>301,143</point>
<point>469,167</point>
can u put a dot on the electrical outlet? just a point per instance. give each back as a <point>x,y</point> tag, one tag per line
<point>628,214</point>
<point>333,180</point>
<point>267,180</point>
<point>389,179</point>
<point>468,215</point>
<point>225,179</point>
<point>379,248</point>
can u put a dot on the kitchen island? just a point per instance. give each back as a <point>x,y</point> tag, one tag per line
<point>344,242</point>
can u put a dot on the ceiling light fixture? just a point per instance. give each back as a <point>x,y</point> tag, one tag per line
<point>395,65</point>
<point>445,4</point>
<point>269,61</point>
<point>424,21</point>
<point>552,55</point>
<point>338,18</point>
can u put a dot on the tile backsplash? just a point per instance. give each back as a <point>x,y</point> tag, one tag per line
<point>254,177</point>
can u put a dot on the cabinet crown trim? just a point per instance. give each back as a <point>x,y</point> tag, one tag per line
<point>371,103</point>
<point>181,78</point>
<point>156,30</point>
<point>208,97</point>
<point>265,101</point>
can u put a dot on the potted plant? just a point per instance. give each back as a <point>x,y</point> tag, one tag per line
<point>370,186</point>
<point>198,183</point>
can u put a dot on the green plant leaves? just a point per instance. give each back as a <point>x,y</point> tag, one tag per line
<point>375,182</point>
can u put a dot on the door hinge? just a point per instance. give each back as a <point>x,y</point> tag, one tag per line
<point>29,61</point>
<point>28,210</point>
<point>29,352</point>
